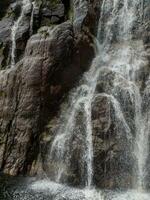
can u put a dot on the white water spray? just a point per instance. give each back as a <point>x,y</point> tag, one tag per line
<point>126,59</point>
<point>123,58</point>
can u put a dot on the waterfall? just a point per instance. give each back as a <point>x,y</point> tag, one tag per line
<point>32,17</point>
<point>81,98</point>
<point>117,51</point>
<point>102,135</point>
<point>15,28</point>
<point>125,59</point>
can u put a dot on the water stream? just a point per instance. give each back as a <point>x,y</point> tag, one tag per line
<point>32,17</point>
<point>81,98</point>
<point>15,28</point>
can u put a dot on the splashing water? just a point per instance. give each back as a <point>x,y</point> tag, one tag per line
<point>60,191</point>
<point>15,28</point>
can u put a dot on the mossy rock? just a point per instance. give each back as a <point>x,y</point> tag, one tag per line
<point>2,94</point>
<point>52,3</point>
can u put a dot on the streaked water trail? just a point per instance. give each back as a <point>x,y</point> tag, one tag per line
<point>127,61</point>
<point>15,28</point>
<point>32,17</point>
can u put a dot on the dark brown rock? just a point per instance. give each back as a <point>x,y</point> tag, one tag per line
<point>25,96</point>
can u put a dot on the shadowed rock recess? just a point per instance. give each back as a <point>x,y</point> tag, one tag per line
<point>46,50</point>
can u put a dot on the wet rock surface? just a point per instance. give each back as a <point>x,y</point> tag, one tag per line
<point>112,144</point>
<point>26,91</point>
<point>49,64</point>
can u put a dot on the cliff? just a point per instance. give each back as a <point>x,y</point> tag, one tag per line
<point>54,46</point>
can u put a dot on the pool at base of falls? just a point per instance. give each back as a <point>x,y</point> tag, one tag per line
<point>32,189</point>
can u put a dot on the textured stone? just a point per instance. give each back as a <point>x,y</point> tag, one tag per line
<point>5,34</point>
<point>86,15</point>
<point>111,141</point>
<point>49,64</point>
<point>25,96</point>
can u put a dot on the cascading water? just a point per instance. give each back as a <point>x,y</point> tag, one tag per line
<point>124,56</point>
<point>127,61</point>
<point>15,28</point>
<point>81,98</point>
<point>32,17</point>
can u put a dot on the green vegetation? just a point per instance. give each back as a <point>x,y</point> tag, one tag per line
<point>71,14</point>
<point>44,32</point>
<point>54,2</point>
<point>2,94</point>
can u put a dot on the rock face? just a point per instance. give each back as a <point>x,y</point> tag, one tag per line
<point>26,91</point>
<point>6,23</point>
<point>86,14</point>
<point>49,64</point>
<point>112,137</point>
